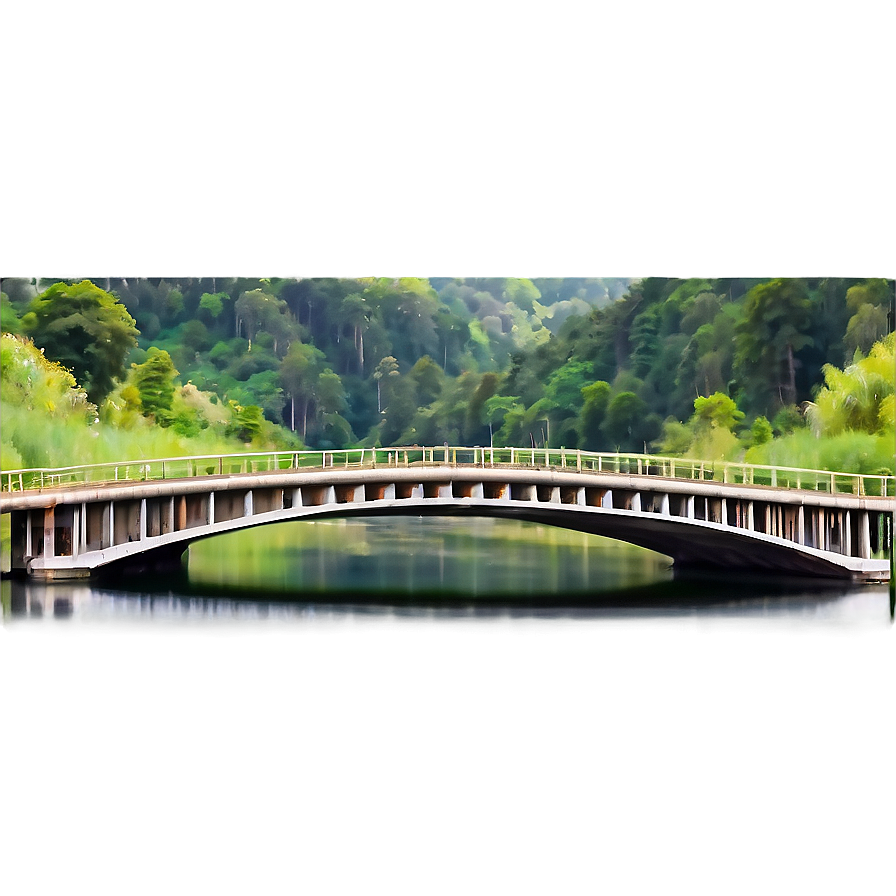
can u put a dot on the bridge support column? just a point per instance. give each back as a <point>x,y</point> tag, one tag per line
<point>107,527</point>
<point>800,525</point>
<point>664,505</point>
<point>210,516</point>
<point>142,530</point>
<point>19,538</point>
<point>607,499</point>
<point>50,532</point>
<point>248,504</point>
<point>77,525</point>
<point>689,507</point>
<point>864,545</point>
<point>846,539</point>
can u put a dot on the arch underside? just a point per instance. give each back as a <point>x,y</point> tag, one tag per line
<point>692,544</point>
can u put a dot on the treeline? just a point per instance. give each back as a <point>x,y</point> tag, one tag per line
<point>715,368</point>
<point>317,356</point>
<point>648,371</point>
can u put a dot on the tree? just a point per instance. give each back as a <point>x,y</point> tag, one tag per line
<point>299,372</point>
<point>717,411</point>
<point>865,327</point>
<point>355,313</point>
<point>212,303</point>
<point>858,398</point>
<point>776,322</point>
<point>428,378</point>
<point>596,398</point>
<point>623,425</point>
<point>154,381</point>
<point>256,310</point>
<point>761,431</point>
<point>388,367</point>
<point>87,330</point>
<point>498,409</point>
<point>246,423</point>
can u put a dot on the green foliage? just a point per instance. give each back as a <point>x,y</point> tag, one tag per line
<point>761,431</point>
<point>9,318</point>
<point>676,439</point>
<point>858,398</point>
<point>623,426</point>
<point>708,434</point>
<point>212,303</point>
<point>596,398</point>
<point>775,326</point>
<point>300,371</point>
<point>868,325</point>
<point>246,424</point>
<point>154,382</point>
<point>848,452</point>
<point>524,359</point>
<point>788,419</point>
<point>565,386</point>
<point>85,329</point>
<point>428,380</point>
<point>717,411</point>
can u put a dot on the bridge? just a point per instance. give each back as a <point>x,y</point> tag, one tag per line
<point>141,516</point>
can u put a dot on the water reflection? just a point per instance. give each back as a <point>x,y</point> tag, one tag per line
<point>397,559</point>
<point>658,603</point>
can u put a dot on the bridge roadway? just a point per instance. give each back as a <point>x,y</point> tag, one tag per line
<point>133,527</point>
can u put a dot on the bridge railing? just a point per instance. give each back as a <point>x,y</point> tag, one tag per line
<point>557,458</point>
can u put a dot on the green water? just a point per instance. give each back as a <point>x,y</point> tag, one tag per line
<point>407,557</point>
<point>297,697</point>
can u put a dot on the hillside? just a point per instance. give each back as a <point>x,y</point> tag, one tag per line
<point>715,368</point>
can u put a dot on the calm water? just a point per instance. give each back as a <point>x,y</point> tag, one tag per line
<point>429,706</point>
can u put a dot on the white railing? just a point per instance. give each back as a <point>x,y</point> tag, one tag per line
<point>556,458</point>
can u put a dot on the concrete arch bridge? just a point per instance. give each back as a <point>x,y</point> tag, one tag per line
<point>139,516</point>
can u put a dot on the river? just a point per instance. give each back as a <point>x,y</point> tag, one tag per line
<point>444,706</point>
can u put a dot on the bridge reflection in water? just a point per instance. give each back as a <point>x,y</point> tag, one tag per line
<point>57,604</point>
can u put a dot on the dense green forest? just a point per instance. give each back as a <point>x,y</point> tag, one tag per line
<point>791,371</point>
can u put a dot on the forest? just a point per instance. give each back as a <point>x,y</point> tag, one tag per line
<point>796,372</point>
